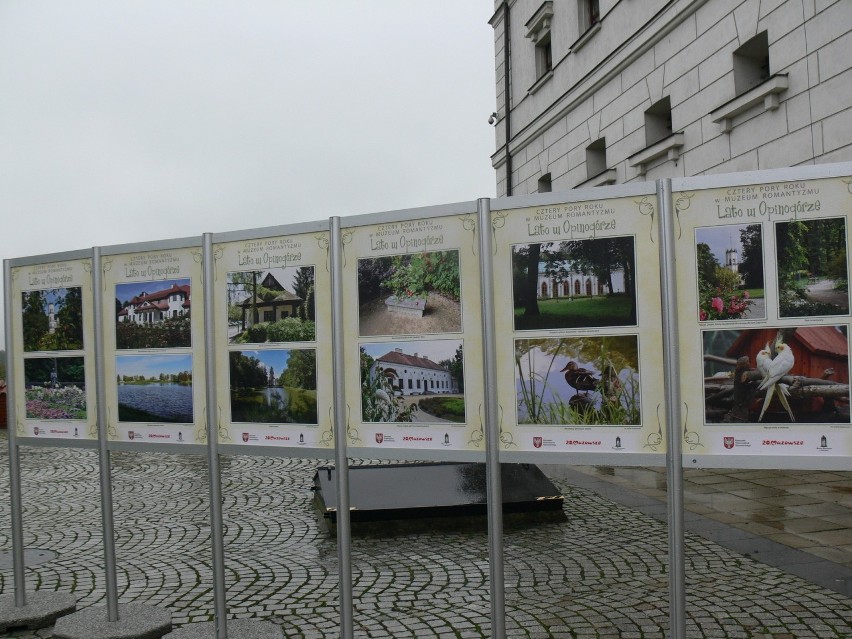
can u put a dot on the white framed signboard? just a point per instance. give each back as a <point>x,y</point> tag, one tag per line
<point>53,340</point>
<point>152,306</point>
<point>273,336</point>
<point>578,328</point>
<point>413,334</point>
<point>763,272</point>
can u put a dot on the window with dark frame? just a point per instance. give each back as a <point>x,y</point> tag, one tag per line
<point>543,56</point>
<point>751,63</point>
<point>538,31</point>
<point>596,158</point>
<point>658,121</point>
<point>590,14</point>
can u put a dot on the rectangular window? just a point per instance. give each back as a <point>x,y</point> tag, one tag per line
<point>596,158</point>
<point>751,63</point>
<point>268,316</point>
<point>544,184</point>
<point>658,121</point>
<point>590,14</point>
<point>543,57</point>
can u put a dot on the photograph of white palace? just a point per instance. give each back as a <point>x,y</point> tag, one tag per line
<point>414,374</point>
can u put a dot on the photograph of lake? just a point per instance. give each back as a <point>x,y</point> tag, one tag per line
<point>154,388</point>
<point>274,386</point>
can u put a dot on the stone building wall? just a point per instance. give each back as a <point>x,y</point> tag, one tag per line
<point>603,79</point>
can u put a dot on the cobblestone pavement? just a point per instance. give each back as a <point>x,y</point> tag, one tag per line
<point>602,573</point>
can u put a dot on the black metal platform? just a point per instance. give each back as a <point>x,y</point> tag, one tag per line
<point>446,491</point>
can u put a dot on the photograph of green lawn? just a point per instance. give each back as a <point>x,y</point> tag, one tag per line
<point>574,284</point>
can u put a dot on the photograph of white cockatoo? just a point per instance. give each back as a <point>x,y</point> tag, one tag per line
<point>773,370</point>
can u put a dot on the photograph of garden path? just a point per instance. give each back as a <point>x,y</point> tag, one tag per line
<point>273,305</point>
<point>578,381</point>
<point>777,375</point>
<point>153,314</point>
<point>55,388</point>
<point>154,388</point>
<point>730,272</point>
<point>417,382</point>
<point>273,386</point>
<point>52,319</point>
<point>412,294</point>
<point>813,271</point>
<point>574,284</point>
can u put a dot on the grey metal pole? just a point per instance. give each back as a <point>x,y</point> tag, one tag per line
<point>674,463</point>
<point>492,436</point>
<point>14,461</point>
<point>220,605</point>
<point>103,450</point>
<point>344,531</point>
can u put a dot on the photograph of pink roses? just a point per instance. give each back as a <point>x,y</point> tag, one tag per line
<point>730,272</point>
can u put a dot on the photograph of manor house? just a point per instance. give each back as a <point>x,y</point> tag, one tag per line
<point>418,381</point>
<point>273,305</point>
<point>153,314</point>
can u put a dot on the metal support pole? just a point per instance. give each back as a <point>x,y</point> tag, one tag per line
<point>103,450</point>
<point>220,606</point>
<point>492,435</point>
<point>14,461</point>
<point>671,369</point>
<point>344,531</point>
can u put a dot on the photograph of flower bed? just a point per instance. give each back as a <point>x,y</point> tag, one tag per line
<point>55,388</point>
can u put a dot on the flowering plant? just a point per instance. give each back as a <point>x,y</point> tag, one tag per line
<point>722,303</point>
<point>68,402</point>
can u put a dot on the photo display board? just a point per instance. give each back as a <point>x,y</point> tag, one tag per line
<point>53,341</point>
<point>578,328</point>
<point>763,273</point>
<point>152,305</point>
<point>273,320</point>
<point>413,336</point>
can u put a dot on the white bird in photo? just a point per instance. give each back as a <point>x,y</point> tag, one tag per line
<point>763,360</point>
<point>773,370</point>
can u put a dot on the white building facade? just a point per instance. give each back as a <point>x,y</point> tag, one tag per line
<point>597,92</point>
<point>153,308</point>
<point>414,374</point>
<point>571,283</point>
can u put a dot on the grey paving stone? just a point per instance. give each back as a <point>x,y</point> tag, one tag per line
<point>601,573</point>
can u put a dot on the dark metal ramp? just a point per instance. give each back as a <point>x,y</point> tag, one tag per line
<point>435,490</point>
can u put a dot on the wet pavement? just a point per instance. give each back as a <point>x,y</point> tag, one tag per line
<point>601,573</point>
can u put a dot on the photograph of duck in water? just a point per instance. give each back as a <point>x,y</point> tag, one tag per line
<point>578,380</point>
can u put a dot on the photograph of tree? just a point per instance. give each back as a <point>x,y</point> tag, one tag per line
<point>574,284</point>
<point>275,305</point>
<point>154,388</point>
<point>153,314</point>
<point>777,375</point>
<point>813,272</point>
<point>730,272</point>
<point>420,381</point>
<point>410,294</point>
<point>55,388</point>
<point>578,380</point>
<point>274,386</point>
<point>52,319</point>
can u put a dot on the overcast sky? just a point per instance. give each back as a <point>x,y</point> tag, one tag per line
<point>136,120</point>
